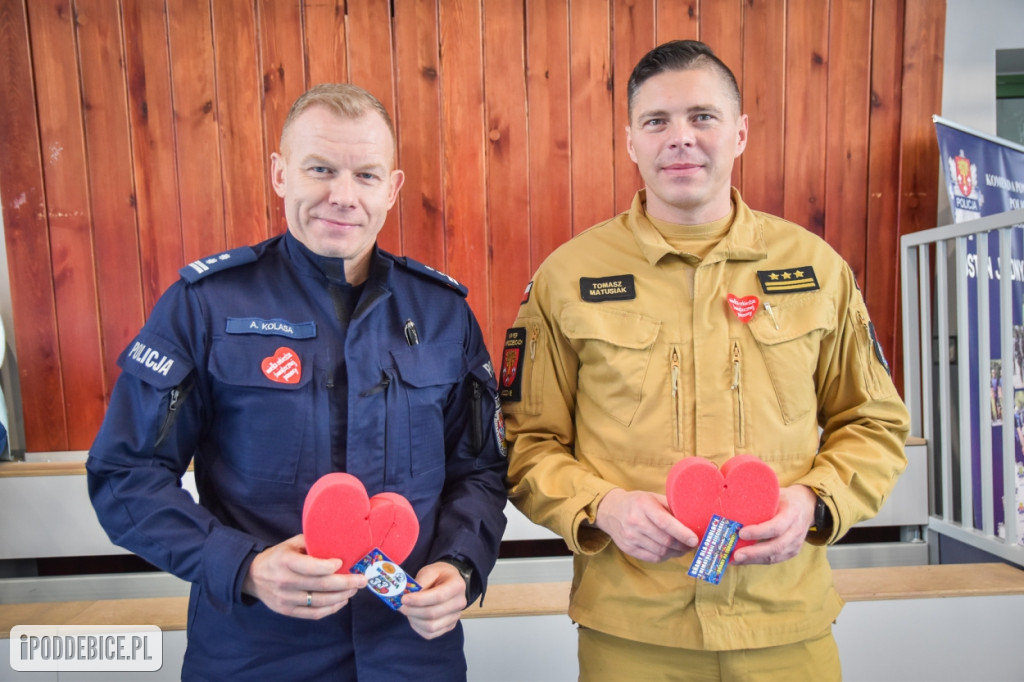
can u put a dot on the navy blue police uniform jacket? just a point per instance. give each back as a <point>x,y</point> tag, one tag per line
<point>393,385</point>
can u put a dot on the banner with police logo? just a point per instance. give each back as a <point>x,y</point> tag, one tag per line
<point>984,176</point>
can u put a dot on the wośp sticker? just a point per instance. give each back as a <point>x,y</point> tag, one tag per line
<point>715,550</point>
<point>385,578</point>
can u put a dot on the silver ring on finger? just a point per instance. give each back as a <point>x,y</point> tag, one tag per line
<point>309,599</point>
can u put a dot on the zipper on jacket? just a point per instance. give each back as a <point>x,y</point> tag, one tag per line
<point>474,416</point>
<point>869,350</point>
<point>738,390</point>
<point>677,402</point>
<point>175,399</point>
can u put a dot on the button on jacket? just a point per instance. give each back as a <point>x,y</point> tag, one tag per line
<point>260,366</point>
<point>625,370</point>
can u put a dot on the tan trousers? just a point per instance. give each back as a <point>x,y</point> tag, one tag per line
<point>604,658</point>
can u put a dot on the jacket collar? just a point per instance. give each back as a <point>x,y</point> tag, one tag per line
<point>333,269</point>
<point>743,241</point>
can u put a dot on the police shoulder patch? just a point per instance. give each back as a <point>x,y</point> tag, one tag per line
<point>198,269</point>
<point>431,273</point>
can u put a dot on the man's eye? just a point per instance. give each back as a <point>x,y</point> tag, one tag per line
<point>320,170</point>
<point>366,176</point>
<point>654,122</point>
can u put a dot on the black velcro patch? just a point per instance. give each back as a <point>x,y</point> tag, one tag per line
<point>788,281</point>
<point>614,288</point>
<point>510,381</point>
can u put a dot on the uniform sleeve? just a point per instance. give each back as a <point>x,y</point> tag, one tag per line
<point>538,379</point>
<point>472,521</point>
<point>864,422</point>
<point>155,420</point>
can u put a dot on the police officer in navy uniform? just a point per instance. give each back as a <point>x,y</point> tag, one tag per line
<point>270,366</point>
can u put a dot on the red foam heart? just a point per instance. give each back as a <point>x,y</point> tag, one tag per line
<point>339,520</point>
<point>284,366</point>
<point>745,490</point>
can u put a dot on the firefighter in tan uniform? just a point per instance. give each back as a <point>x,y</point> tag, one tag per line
<point>693,326</point>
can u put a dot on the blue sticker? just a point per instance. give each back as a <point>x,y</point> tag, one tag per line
<point>257,325</point>
<point>385,578</point>
<point>715,550</point>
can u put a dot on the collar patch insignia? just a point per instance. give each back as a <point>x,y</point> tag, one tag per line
<point>788,281</point>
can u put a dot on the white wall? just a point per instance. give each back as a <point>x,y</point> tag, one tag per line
<point>975,29</point>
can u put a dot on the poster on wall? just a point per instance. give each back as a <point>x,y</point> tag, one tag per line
<point>984,176</point>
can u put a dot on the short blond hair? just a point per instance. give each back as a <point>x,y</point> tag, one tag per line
<point>344,99</point>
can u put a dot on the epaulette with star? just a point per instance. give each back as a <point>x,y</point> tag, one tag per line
<point>198,269</point>
<point>433,274</point>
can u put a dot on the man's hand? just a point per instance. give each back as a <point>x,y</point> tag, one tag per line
<point>436,608</point>
<point>782,536</point>
<point>283,577</point>
<point>640,524</point>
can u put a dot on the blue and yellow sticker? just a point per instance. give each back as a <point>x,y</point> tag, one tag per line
<point>715,550</point>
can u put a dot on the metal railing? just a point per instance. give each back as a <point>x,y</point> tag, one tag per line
<point>943,308</point>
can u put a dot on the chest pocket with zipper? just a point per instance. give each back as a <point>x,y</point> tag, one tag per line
<point>614,348</point>
<point>789,340</point>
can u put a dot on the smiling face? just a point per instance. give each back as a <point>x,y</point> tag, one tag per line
<point>336,178</point>
<point>684,136</point>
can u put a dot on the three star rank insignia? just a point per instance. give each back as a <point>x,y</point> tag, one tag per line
<point>790,280</point>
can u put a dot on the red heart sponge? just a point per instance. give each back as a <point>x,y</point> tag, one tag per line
<point>745,490</point>
<point>339,520</point>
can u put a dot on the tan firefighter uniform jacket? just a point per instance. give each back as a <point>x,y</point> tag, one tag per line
<point>612,372</point>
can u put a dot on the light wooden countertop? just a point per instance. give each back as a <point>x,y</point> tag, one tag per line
<point>48,468</point>
<point>77,467</point>
<point>21,469</point>
<point>541,599</point>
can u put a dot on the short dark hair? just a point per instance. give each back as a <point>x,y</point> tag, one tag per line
<point>679,55</point>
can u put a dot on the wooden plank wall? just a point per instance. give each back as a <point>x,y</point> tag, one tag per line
<point>135,135</point>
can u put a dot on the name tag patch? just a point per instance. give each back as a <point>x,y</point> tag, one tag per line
<point>510,385</point>
<point>257,325</point>
<point>614,288</point>
<point>789,280</point>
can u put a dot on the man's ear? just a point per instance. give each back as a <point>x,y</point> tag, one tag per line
<point>741,134</point>
<point>277,168</point>
<point>397,180</point>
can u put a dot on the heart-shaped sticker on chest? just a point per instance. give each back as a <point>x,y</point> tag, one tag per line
<point>744,307</point>
<point>283,366</point>
<point>340,521</point>
<point>746,490</point>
